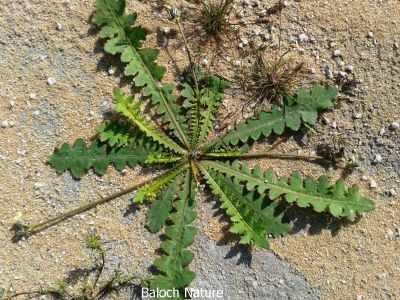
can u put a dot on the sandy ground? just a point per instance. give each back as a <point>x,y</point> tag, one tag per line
<point>54,39</point>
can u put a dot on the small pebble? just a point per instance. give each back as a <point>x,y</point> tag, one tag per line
<point>328,73</point>
<point>51,81</point>
<point>384,274</point>
<point>378,158</point>
<point>166,30</point>
<point>370,34</point>
<point>373,184</point>
<point>337,53</point>
<point>312,71</point>
<point>36,112</point>
<point>343,74</point>
<point>237,63</point>
<point>91,113</point>
<point>396,46</point>
<point>358,297</point>
<point>256,32</point>
<point>392,193</point>
<point>334,125</point>
<point>394,125</point>
<point>358,116</point>
<point>349,68</point>
<point>38,185</point>
<point>59,26</point>
<point>244,41</point>
<point>4,124</point>
<point>303,38</point>
<point>382,131</point>
<point>111,71</point>
<point>32,96</point>
<point>204,62</point>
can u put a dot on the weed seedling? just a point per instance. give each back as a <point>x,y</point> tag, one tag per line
<point>270,80</point>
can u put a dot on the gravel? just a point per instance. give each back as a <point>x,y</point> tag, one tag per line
<point>394,125</point>
<point>51,81</point>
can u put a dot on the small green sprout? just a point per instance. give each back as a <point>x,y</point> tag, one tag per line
<point>93,242</point>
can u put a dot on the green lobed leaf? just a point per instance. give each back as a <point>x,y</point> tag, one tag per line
<point>303,108</point>
<point>126,39</point>
<point>129,109</point>
<point>201,109</point>
<point>158,212</point>
<point>319,194</point>
<point>180,234</point>
<point>210,100</point>
<point>79,158</point>
<point>252,217</point>
<point>151,189</point>
<point>116,134</point>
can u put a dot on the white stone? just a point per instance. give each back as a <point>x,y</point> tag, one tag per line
<point>303,38</point>
<point>166,30</point>
<point>349,68</point>
<point>237,63</point>
<point>4,124</point>
<point>373,184</point>
<point>392,193</point>
<point>312,71</point>
<point>390,234</point>
<point>378,158</point>
<point>204,62</point>
<point>358,116</point>
<point>396,46</point>
<point>337,53</point>
<point>244,41</point>
<point>328,73</point>
<point>343,74</point>
<point>334,125</point>
<point>32,96</point>
<point>51,81</point>
<point>38,185</point>
<point>59,26</point>
<point>256,32</point>
<point>382,131</point>
<point>394,125</point>
<point>370,34</point>
<point>111,71</point>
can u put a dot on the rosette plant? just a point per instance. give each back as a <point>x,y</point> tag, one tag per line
<point>250,197</point>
